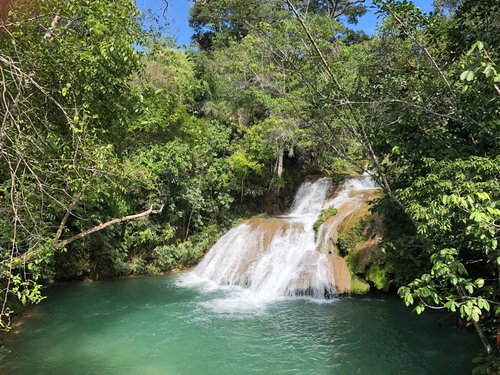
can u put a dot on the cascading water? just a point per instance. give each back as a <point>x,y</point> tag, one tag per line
<point>282,256</point>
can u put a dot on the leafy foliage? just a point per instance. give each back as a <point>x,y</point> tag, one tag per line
<point>101,119</point>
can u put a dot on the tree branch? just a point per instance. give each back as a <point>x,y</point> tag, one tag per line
<point>49,34</point>
<point>59,244</point>
<point>109,223</point>
<point>71,207</point>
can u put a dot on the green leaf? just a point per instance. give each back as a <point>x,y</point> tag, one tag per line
<point>483,196</point>
<point>480,283</point>
<point>65,89</point>
<point>419,309</point>
<point>488,70</point>
<point>475,316</point>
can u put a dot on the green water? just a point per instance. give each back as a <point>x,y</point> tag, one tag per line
<point>152,326</point>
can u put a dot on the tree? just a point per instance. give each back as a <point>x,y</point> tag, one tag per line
<point>59,136</point>
<point>220,21</point>
<point>434,119</point>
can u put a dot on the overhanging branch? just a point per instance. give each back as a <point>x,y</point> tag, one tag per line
<point>59,244</point>
<point>99,227</point>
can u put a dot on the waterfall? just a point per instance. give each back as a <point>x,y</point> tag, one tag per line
<point>282,256</point>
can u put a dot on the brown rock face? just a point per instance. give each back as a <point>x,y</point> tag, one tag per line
<point>350,215</point>
<point>341,274</point>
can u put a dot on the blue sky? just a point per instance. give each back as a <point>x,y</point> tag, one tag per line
<point>177,13</point>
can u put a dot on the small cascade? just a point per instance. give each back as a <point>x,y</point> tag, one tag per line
<point>283,256</point>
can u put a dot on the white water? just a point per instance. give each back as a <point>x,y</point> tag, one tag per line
<point>263,260</point>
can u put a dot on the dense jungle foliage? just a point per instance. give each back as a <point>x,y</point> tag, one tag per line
<point>121,154</point>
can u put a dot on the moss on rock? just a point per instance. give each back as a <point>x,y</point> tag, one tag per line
<point>324,216</point>
<point>378,274</point>
<point>359,286</point>
<point>359,236</point>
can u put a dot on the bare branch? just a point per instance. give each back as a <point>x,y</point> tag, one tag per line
<point>99,227</point>
<point>59,244</point>
<point>71,207</point>
<point>49,34</point>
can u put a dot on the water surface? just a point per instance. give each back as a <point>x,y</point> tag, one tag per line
<point>154,326</point>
